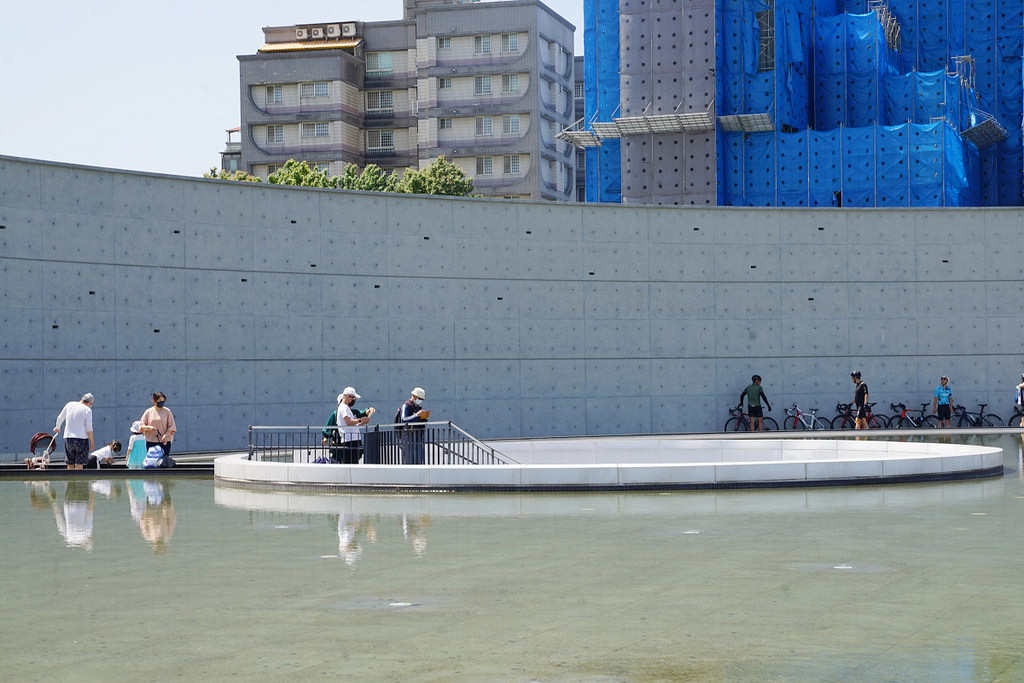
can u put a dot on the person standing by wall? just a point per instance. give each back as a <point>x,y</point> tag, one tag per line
<point>349,424</point>
<point>158,425</point>
<point>412,416</point>
<point>860,400</point>
<point>943,401</point>
<point>76,416</point>
<point>754,394</point>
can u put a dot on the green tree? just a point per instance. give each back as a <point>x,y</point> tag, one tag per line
<point>299,173</point>
<point>441,177</point>
<point>371,179</point>
<point>241,176</point>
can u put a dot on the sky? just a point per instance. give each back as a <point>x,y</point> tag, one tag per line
<point>147,86</point>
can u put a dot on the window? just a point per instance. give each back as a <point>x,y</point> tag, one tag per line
<point>273,168</point>
<point>766,38</point>
<point>511,166</point>
<point>510,42</point>
<point>483,125</point>
<point>444,124</point>
<point>482,85</point>
<point>577,91</point>
<point>510,124</point>
<point>380,140</point>
<point>481,45</point>
<point>444,42</point>
<point>324,166</point>
<point>509,83</point>
<point>378,64</point>
<point>316,130</point>
<point>484,166</point>
<point>275,94</point>
<point>313,89</point>
<point>275,134</point>
<point>380,101</point>
<point>444,83</point>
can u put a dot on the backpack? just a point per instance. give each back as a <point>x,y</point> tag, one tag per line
<point>398,417</point>
<point>154,458</point>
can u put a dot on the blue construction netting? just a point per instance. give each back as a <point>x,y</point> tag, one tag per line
<point>884,126</point>
<point>906,165</point>
<point>601,97</point>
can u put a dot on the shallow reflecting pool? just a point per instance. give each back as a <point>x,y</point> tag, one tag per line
<point>179,579</point>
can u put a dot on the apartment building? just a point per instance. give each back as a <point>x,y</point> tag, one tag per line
<point>487,85</point>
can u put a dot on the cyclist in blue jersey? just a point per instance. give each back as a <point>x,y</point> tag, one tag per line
<point>942,403</point>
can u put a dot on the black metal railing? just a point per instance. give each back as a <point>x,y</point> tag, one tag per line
<point>429,443</point>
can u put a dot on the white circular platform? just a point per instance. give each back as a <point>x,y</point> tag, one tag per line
<point>638,463</point>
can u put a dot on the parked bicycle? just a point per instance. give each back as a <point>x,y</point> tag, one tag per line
<point>798,419</point>
<point>970,418</point>
<point>909,418</point>
<point>846,418</point>
<point>740,422</point>
<point>1018,415</point>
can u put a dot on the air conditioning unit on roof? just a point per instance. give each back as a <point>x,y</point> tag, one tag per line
<point>301,34</point>
<point>316,33</point>
<point>348,30</point>
<point>333,30</point>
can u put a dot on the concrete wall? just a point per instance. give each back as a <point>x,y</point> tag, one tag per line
<point>256,304</point>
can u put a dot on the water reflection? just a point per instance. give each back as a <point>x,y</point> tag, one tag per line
<point>74,510</point>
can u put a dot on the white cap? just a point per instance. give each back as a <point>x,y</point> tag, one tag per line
<point>136,427</point>
<point>349,391</point>
<point>419,393</point>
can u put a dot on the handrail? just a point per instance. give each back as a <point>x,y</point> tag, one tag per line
<point>424,443</point>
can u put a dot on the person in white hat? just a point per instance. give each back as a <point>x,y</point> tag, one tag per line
<point>350,424</point>
<point>413,415</point>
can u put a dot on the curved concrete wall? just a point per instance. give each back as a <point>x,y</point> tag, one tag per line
<point>256,304</point>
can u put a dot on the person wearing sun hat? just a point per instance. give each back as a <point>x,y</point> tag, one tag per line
<point>349,424</point>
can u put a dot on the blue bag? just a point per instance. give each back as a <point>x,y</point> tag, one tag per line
<point>154,458</point>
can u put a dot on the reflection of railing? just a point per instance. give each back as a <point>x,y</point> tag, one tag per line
<point>429,443</point>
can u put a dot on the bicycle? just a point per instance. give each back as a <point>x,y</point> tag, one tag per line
<point>846,419</point>
<point>798,419</point>
<point>740,422</point>
<point>909,418</point>
<point>969,418</point>
<point>1018,415</point>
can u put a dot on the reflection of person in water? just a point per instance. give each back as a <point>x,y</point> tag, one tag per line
<point>153,510</point>
<point>350,528</point>
<point>74,520</point>
<point>414,529</point>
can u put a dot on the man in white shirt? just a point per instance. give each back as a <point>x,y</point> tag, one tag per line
<point>350,424</point>
<point>78,440</point>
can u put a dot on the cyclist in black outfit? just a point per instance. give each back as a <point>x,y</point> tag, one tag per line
<point>860,400</point>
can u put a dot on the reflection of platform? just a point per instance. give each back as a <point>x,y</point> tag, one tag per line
<point>608,464</point>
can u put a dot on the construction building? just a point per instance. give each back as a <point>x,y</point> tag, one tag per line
<point>487,85</point>
<point>803,102</point>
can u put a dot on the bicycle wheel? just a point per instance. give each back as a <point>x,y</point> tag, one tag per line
<point>965,421</point>
<point>877,422</point>
<point>992,420</point>
<point>904,423</point>
<point>770,425</point>
<point>1015,420</point>
<point>930,422</point>
<point>818,424</point>
<point>792,423</point>
<point>735,424</point>
<point>842,422</point>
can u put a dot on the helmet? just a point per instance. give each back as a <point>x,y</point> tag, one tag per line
<point>855,373</point>
<point>755,378</point>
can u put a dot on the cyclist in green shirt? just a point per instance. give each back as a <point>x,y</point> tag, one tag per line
<point>755,394</point>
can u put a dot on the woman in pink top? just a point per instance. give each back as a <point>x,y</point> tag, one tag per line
<point>158,425</point>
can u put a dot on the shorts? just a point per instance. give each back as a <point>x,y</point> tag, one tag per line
<point>862,413</point>
<point>755,411</point>
<point>943,411</point>
<point>76,451</point>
